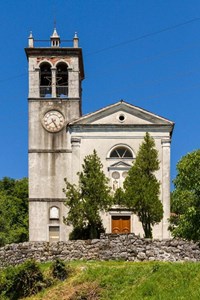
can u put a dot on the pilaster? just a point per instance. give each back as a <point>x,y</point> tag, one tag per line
<point>34,81</point>
<point>53,73</point>
<point>75,167</point>
<point>70,81</point>
<point>166,186</point>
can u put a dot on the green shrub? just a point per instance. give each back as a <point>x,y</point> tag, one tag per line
<point>21,281</point>
<point>59,270</point>
<point>87,232</point>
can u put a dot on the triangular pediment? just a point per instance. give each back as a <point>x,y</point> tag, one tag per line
<point>121,113</point>
<point>120,165</point>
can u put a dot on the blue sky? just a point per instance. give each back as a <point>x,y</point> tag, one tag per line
<point>145,52</point>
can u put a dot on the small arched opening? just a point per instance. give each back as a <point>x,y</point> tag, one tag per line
<point>45,80</point>
<point>54,213</point>
<point>62,80</point>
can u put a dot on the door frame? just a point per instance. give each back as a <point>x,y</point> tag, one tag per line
<point>122,213</point>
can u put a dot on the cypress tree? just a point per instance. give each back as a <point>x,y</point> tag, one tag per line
<point>88,199</point>
<point>142,189</point>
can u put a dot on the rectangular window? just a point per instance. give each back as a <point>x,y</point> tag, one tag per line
<point>54,234</point>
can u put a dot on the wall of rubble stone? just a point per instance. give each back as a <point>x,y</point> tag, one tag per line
<point>109,247</point>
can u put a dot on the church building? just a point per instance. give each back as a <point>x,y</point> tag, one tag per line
<point>60,137</point>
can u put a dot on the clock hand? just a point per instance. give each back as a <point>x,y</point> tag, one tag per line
<point>53,121</point>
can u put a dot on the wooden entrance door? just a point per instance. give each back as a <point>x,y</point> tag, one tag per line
<point>120,224</point>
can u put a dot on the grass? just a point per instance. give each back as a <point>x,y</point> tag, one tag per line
<point>127,281</point>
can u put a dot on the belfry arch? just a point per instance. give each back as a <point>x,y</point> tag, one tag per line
<point>61,79</point>
<point>45,80</point>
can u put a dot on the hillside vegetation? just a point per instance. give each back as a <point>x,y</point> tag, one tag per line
<point>126,281</point>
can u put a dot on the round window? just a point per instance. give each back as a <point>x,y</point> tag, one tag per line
<point>115,175</point>
<point>124,174</point>
<point>121,118</point>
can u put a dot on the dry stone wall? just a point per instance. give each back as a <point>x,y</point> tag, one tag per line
<point>110,247</point>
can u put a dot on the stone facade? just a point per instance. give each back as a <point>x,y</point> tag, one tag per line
<point>60,138</point>
<point>109,247</point>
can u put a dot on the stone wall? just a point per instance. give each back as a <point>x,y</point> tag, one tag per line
<point>109,247</point>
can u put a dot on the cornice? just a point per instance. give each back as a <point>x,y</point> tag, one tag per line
<point>55,100</point>
<point>49,151</point>
<point>47,199</point>
<point>120,127</point>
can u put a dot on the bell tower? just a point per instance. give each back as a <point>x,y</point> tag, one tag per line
<point>54,99</point>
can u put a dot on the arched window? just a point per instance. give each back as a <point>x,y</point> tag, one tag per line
<point>54,213</point>
<point>121,152</point>
<point>45,80</point>
<point>62,80</point>
<point>121,157</point>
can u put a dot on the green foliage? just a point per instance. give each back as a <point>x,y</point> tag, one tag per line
<point>186,198</point>
<point>59,270</point>
<point>86,200</point>
<point>142,189</point>
<point>7,185</point>
<point>144,280</point>
<point>125,280</point>
<point>84,233</point>
<point>13,210</point>
<point>21,281</point>
<point>29,278</point>
<point>119,197</point>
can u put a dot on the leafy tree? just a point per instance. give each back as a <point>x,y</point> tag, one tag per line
<point>119,197</point>
<point>186,198</point>
<point>87,199</point>
<point>7,185</point>
<point>142,187</point>
<point>13,210</point>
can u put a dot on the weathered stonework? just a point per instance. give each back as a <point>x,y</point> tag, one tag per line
<point>110,247</point>
<point>50,152</point>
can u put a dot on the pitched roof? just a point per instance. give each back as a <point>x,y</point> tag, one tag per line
<point>132,115</point>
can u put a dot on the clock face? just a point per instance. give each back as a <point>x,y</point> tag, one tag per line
<point>53,121</point>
